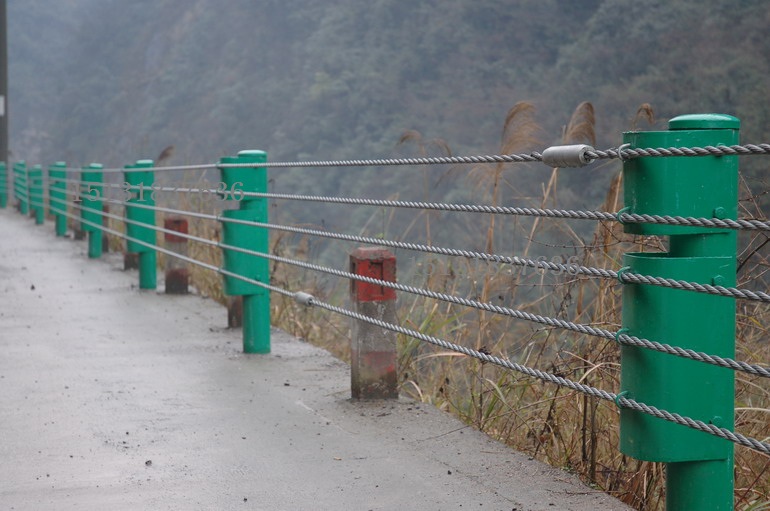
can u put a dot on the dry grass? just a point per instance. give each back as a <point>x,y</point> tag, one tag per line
<point>558,426</point>
<point>562,427</point>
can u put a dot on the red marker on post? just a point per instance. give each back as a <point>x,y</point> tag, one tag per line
<point>374,360</point>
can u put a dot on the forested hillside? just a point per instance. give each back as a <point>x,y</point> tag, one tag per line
<point>111,80</point>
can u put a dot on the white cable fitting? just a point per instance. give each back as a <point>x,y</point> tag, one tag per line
<point>567,155</point>
<point>305,299</point>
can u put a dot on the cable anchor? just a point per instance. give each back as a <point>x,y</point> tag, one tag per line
<point>567,155</point>
<point>305,299</point>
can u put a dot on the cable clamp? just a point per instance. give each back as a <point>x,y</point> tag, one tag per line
<point>567,155</point>
<point>619,214</point>
<point>619,397</point>
<point>620,152</point>
<point>621,272</point>
<point>305,299</point>
<point>622,331</point>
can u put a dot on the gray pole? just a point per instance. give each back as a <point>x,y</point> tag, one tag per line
<point>3,83</point>
<point>3,107</point>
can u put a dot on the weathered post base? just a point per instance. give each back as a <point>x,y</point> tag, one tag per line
<point>374,359</point>
<point>234,311</point>
<point>177,272</point>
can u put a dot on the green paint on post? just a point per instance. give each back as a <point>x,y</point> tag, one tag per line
<point>140,184</point>
<point>699,466</point>
<point>256,299</point>
<point>91,194</point>
<point>35,190</point>
<point>57,195</point>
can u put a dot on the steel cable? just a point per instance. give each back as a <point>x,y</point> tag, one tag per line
<point>621,338</point>
<point>171,253</point>
<point>711,429</point>
<point>732,150</point>
<point>564,214</point>
<point>571,269</point>
<point>592,155</point>
<point>620,400</point>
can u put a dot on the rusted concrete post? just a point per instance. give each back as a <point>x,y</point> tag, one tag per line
<point>131,261</point>
<point>234,311</point>
<point>177,272</point>
<point>105,236</point>
<point>374,359</point>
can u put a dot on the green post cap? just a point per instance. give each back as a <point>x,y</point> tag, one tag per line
<point>251,156</point>
<point>144,163</point>
<point>704,122</point>
<point>95,166</point>
<point>60,164</point>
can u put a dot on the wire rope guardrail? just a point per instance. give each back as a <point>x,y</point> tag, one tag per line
<point>620,336</point>
<point>648,277</point>
<point>558,156</point>
<point>171,253</point>
<point>621,216</point>
<point>623,275</point>
<point>308,300</point>
<point>619,399</point>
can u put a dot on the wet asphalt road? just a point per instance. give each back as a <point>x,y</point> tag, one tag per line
<point>116,399</point>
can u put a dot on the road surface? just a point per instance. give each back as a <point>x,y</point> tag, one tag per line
<point>116,399</point>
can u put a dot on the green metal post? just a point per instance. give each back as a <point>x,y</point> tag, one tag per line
<point>35,190</point>
<point>57,174</point>
<point>699,466</point>
<point>3,185</point>
<point>256,299</point>
<point>14,193</point>
<point>140,185</point>
<point>91,203</point>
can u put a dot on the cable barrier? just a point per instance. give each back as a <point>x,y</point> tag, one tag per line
<point>677,340</point>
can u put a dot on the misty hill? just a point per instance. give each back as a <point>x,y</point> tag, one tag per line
<point>113,81</point>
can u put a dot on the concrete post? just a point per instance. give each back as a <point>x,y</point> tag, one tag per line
<point>20,186</point>
<point>105,236</point>
<point>177,272</point>
<point>131,261</point>
<point>374,359</point>
<point>234,311</point>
